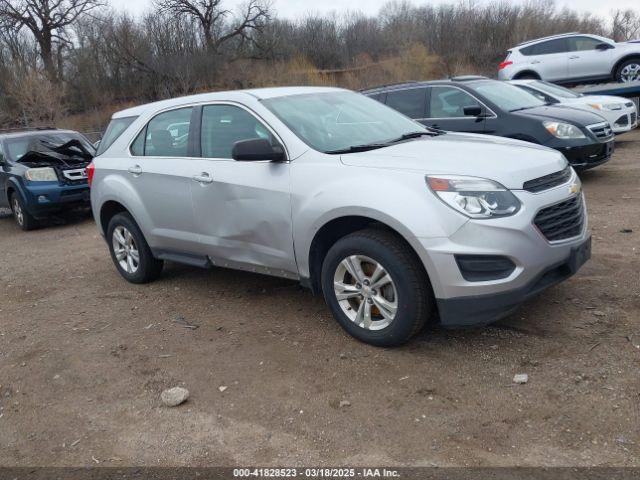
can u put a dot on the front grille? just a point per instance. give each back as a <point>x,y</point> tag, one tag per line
<point>562,220</point>
<point>548,181</point>
<point>602,131</point>
<point>72,176</point>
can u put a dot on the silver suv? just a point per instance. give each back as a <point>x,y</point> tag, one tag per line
<point>394,223</point>
<point>571,58</point>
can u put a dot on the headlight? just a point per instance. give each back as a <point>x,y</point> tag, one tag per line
<point>474,197</point>
<point>565,131</point>
<point>606,106</point>
<point>45,174</point>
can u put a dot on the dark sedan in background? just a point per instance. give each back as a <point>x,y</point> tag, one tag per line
<point>480,105</point>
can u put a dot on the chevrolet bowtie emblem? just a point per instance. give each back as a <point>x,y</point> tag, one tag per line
<point>575,188</point>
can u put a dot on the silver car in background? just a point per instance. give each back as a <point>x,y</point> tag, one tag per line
<point>620,112</point>
<point>395,224</point>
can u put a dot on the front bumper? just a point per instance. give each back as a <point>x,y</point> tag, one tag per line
<point>485,309</point>
<point>588,156</point>
<point>45,197</point>
<point>539,263</point>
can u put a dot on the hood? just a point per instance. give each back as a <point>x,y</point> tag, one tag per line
<point>509,162</point>
<point>598,99</point>
<point>562,113</point>
<point>71,153</point>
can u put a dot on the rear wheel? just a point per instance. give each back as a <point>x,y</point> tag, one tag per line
<point>376,288</point>
<point>23,218</point>
<point>629,71</point>
<point>130,252</point>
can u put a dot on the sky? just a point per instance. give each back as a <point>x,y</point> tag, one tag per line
<point>297,8</point>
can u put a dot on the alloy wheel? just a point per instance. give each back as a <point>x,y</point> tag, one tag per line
<point>630,73</point>
<point>125,250</point>
<point>365,292</point>
<point>17,212</point>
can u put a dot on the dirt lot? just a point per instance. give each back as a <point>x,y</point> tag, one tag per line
<point>84,357</point>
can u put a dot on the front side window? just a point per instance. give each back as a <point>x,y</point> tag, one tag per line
<point>408,102</point>
<point>506,96</point>
<point>332,121</point>
<point>450,102</point>
<point>224,125</point>
<point>580,44</point>
<point>166,135</point>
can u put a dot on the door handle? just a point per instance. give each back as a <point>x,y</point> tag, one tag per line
<point>535,62</point>
<point>204,177</point>
<point>574,57</point>
<point>135,170</point>
<point>436,126</point>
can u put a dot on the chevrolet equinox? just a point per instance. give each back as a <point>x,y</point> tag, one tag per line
<point>394,223</point>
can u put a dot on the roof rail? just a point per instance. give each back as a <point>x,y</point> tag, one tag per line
<point>397,84</point>
<point>559,35</point>
<point>468,78</point>
<point>25,129</point>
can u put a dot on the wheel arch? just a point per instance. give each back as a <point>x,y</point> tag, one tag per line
<point>617,65</point>
<point>338,227</point>
<point>108,210</point>
<point>527,73</point>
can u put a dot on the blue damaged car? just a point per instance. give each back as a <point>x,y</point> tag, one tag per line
<point>42,173</point>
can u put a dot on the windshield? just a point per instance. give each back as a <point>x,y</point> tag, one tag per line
<point>506,96</point>
<point>334,121</point>
<point>555,90</point>
<point>42,142</point>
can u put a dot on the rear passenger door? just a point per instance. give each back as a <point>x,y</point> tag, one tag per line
<point>549,58</point>
<point>161,169</point>
<point>446,110</point>
<point>243,209</point>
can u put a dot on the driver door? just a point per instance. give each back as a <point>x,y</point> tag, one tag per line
<point>446,107</point>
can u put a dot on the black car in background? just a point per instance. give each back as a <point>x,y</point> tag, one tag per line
<point>480,105</point>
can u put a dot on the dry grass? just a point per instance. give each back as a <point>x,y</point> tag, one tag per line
<point>415,64</point>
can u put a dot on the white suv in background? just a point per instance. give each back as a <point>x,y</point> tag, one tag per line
<point>572,57</point>
<point>620,112</point>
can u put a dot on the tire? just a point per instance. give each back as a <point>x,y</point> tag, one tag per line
<point>409,291</point>
<point>23,218</point>
<point>628,71</point>
<point>147,268</point>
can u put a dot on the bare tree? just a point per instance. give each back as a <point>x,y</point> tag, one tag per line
<point>214,20</point>
<point>47,20</point>
<point>625,25</point>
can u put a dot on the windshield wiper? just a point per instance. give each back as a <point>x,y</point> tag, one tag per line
<point>358,148</point>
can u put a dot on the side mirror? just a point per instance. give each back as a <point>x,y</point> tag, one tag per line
<point>472,111</point>
<point>257,149</point>
<point>604,46</point>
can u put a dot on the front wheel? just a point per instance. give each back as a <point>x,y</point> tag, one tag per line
<point>23,218</point>
<point>376,288</point>
<point>130,252</point>
<point>629,71</point>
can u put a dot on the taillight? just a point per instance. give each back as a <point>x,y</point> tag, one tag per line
<point>90,171</point>
<point>505,64</point>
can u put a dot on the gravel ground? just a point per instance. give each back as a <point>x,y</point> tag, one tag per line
<point>84,357</point>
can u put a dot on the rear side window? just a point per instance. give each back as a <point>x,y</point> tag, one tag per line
<point>166,135</point>
<point>113,132</point>
<point>224,125</point>
<point>558,45</point>
<point>409,102</point>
